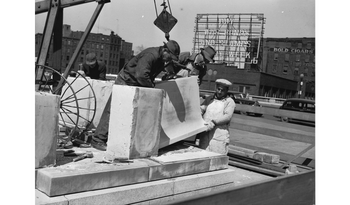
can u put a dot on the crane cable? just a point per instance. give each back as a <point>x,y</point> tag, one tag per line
<point>167,36</point>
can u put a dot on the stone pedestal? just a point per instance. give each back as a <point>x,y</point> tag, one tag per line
<point>134,123</point>
<point>46,128</point>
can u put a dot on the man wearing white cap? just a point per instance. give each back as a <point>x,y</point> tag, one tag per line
<point>217,112</point>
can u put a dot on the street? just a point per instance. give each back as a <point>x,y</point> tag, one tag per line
<point>265,143</point>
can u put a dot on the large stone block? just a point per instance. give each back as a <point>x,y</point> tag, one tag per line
<point>186,162</point>
<point>46,128</point>
<point>102,90</point>
<point>181,116</point>
<point>134,124</point>
<point>82,176</point>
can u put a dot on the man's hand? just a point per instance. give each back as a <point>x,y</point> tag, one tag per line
<point>81,72</point>
<point>210,125</point>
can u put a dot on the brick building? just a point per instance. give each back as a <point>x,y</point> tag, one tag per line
<point>111,49</point>
<point>277,74</point>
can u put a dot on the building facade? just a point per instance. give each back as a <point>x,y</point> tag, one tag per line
<point>293,59</point>
<point>282,65</point>
<point>111,49</point>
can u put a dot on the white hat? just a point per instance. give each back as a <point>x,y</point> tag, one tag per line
<point>223,82</point>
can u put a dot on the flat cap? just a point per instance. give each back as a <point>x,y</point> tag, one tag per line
<point>223,82</point>
<point>90,58</point>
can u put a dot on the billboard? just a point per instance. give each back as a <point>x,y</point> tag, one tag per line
<point>237,38</point>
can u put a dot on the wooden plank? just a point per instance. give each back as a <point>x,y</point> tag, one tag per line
<point>276,112</point>
<point>289,189</point>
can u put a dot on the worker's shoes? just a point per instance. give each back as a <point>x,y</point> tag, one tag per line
<point>99,145</point>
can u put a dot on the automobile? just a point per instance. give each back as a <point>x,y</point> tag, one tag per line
<point>242,98</point>
<point>299,105</point>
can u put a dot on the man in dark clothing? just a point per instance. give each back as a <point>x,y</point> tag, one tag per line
<point>140,71</point>
<point>189,65</point>
<point>93,68</point>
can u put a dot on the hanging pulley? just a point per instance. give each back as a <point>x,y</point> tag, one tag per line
<point>165,21</point>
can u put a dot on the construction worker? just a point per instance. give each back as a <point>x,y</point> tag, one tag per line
<point>141,71</point>
<point>93,68</point>
<point>217,111</point>
<point>189,65</point>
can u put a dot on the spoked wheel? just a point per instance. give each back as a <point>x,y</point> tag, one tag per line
<point>78,100</point>
<point>86,98</point>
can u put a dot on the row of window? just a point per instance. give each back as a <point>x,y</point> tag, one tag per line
<point>297,57</point>
<point>295,71</point>
<point>292,44</point>
<point>92,45</point>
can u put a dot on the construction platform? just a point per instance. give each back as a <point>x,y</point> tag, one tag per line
<point>173,174</point>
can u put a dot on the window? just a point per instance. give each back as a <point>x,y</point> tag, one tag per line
<point>82,52</point>
<point>308,45</point>
<point>275,57</point>
<point>297,58</point>
<point>101,55</point>
<point>68,42</point>
<point>307,58</point>
<point>296,71</point>
<point>67,58</point>
<point>286,57</point>
<point>306,71</point>
<point>300,45</point>
<point>285,69</point>
<point>97,46</point>
<point>101,46</point>
<point>103,39</point>
<point>274,69</point>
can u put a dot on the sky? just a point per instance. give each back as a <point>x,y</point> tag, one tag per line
<point>133,20</point>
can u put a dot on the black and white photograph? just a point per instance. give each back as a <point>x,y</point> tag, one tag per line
<point>176,102</point>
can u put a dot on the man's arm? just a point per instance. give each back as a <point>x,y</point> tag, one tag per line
<point>103,71</point>
<point>143,70</point>
<point>228,112</point>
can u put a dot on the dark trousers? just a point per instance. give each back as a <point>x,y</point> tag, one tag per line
<point>101,132</point>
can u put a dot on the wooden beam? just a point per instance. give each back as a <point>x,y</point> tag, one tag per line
<point>44,5</point>
<point>47,36</point>
<point>82,41</point>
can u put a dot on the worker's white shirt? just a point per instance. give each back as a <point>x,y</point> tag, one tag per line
<point>221,111</point>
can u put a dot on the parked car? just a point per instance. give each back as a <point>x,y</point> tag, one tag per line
<point>242,98</point>
<point>299,105</point>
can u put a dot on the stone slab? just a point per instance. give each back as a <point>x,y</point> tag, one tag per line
<point>185,162</point>
<point>134,126</point>
<point>90,174</point>
<point>46,128</point>
<point>154,192</point>
<point>79,177</point>
<point>181,117</point>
